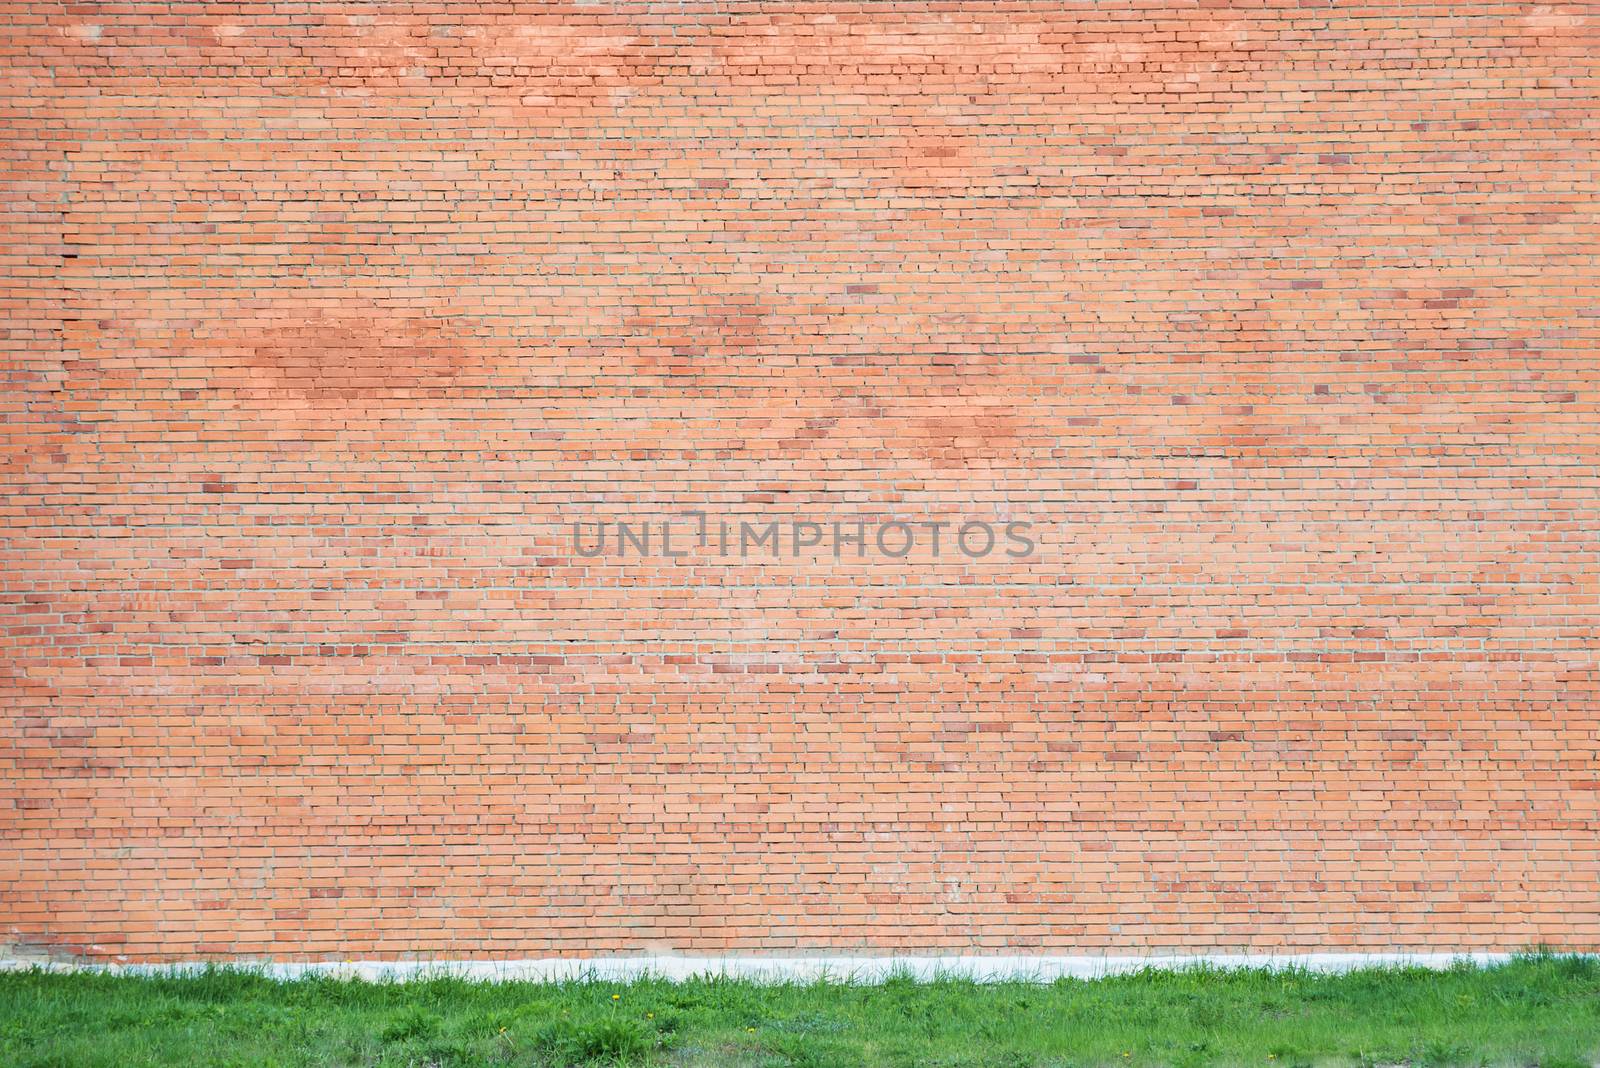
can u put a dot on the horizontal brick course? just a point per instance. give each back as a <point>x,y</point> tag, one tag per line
<point>325,322</point>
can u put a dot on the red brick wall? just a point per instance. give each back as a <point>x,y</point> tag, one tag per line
<point>325,321</point>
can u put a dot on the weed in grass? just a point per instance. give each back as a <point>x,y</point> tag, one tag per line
<point>410,1025</point>
<point>603,1040</point>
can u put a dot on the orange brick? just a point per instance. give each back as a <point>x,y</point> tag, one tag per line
<point>325,322</point>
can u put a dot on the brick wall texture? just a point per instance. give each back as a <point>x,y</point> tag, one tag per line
<point>1277,323</point>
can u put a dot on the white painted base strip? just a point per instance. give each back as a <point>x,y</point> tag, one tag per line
<point>790,969</point>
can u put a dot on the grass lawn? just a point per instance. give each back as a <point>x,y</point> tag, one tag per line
<point>1539,1010</point>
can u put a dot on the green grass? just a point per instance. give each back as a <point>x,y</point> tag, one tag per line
<point>1538,1010</point>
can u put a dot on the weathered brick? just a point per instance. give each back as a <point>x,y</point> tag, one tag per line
<point>325,321</point>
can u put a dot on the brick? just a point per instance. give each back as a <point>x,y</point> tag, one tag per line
<point>325,322</point>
